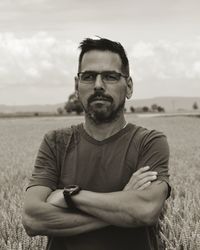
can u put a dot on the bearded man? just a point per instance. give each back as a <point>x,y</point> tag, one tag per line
<point>101,184</point>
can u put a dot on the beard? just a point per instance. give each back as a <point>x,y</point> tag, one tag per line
<point>102,109</point>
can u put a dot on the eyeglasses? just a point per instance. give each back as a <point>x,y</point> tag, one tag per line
<point>89,77</point>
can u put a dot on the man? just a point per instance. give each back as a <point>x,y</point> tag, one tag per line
<point>99,185</point>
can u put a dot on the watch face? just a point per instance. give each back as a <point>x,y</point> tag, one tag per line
<point>72,189</point>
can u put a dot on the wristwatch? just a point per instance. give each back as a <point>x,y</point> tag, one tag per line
<point>68,192</point>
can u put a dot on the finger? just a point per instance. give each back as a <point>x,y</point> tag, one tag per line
<point>137,183</point>
<point>145,180</point>
<point>146,174</point>
<point>141,170</point>
<point>147,184</point>
<point>140,185</point>
<point>135,178</point>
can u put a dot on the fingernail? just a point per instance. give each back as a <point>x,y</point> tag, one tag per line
<point>147,167</point>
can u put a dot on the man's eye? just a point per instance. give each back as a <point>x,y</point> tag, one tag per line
<point>111,77</point>
<point>88,77</point>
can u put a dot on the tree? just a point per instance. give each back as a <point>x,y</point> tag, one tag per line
<point>60,110</point>
<point>154,107</point>
<point>73,104</point>
<point>160,109</point>
<point>78,107</point>
<point>132,109</point>
<point>68,107</point>
<point>195,106</point>
<point>145,109</point>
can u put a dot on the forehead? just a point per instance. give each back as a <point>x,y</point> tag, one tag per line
<point>96,60</point>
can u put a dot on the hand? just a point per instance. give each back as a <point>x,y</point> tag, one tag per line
<point>141,179</point>
<point>56,198</point>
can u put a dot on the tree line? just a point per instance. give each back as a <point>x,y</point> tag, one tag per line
<point>74,105</point>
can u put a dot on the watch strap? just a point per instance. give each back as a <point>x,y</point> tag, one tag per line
<point>68,192</point>
<point>68,200</point>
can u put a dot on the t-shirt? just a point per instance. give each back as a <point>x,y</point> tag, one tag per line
<point>71,156</point>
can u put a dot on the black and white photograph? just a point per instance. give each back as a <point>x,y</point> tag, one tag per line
<point>99,125</point>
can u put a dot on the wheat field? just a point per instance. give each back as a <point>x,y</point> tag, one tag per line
<point>20,139</point>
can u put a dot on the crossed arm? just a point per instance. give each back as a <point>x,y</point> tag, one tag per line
<point>138,204</point>
<point>43,218</point>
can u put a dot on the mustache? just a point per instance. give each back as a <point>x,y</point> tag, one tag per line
<point>99,96</point>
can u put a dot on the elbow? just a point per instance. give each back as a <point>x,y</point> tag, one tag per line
<point>150,220</point>
<point>149,216</point>
<point>31,225</point>
<point>144,217</point>
<point>28,226</point>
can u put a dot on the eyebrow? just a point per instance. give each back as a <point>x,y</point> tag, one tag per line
<point>94,71</point>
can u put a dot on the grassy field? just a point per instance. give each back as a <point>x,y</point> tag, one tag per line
<point>20,139</point>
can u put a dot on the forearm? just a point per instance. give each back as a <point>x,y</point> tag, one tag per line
<point>118,208</point>
<point>131,208</point>
<point>106,206</point>
<point>124,208</point>
<point>50,220</point>
<point>115,208</point>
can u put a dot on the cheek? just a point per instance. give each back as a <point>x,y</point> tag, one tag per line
<point>84,93</point>
<point>119,94</point>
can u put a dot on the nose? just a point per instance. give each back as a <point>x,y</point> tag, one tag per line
<point>99,85</point>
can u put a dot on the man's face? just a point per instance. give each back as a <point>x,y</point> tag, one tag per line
<point>102,101</point>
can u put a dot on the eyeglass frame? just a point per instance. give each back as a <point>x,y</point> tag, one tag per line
<point>100,73</point>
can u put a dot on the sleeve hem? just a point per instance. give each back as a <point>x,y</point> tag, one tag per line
<point>43,183</point>
<point>168,185</point>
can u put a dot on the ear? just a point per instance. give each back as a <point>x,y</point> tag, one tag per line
<point>129,88</point>
<point>76,86</point>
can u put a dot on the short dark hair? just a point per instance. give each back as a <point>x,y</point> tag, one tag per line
<point>104,44</point>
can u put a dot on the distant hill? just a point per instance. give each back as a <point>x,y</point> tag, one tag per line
<point>30,108</point>
<point>169,103</point>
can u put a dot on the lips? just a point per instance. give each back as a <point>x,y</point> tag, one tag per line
<point>100,98</point>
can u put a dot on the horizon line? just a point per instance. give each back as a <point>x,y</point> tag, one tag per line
<point>132,99</point>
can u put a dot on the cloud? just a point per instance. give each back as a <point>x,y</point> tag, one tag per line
<point>166,60</point>
<point>40,60</point>
<point>43,65</point>
<point>142,50</point>
<point>194,71</point>
<point>32,72</point>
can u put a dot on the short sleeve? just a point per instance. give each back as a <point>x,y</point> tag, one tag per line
<point>154,152</point>
<point>45,171</point>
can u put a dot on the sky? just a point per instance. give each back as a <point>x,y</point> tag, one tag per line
<point>39,46</point>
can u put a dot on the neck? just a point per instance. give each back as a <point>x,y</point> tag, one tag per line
<point>104,130</point>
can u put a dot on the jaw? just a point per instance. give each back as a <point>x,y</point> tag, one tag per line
<point>100,106</point>
<point>100,114</point>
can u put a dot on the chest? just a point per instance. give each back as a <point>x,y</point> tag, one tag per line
<point>99,168</point>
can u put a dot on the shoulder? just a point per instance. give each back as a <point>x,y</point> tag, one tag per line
<point>144,137</point>
<point>60,136</point>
